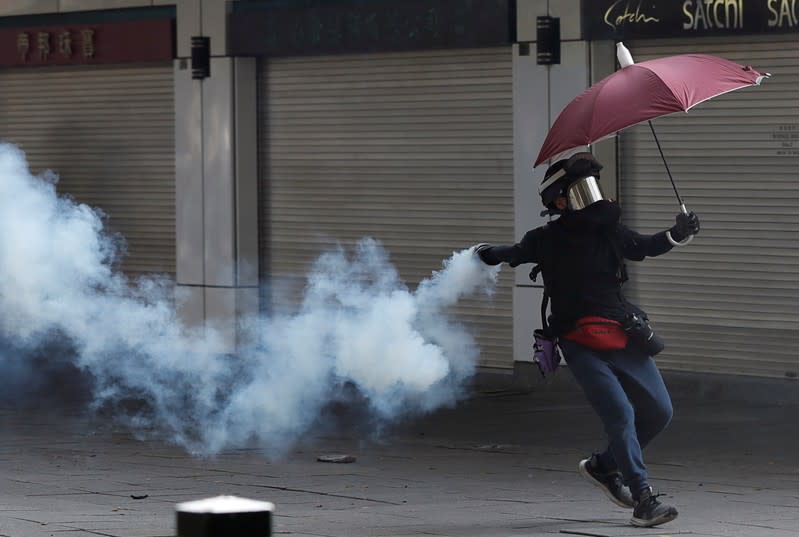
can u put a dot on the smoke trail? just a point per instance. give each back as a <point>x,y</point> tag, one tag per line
<point>358,325</point>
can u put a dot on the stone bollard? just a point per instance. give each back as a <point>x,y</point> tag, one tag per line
<point>224,516</point>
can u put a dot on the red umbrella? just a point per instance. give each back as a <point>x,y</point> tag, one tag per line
<point>642,91</point>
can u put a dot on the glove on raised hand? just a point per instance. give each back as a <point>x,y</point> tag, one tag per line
<point>483,251</point>
<point>687,224</point>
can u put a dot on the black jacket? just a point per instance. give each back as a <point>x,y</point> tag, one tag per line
<point>580,256</point>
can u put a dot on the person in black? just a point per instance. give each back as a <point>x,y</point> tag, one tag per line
<point>581,255</point>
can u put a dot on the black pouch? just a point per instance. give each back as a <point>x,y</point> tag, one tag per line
<point>641,335</point>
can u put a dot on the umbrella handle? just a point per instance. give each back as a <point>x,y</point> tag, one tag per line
<point>687,239</point>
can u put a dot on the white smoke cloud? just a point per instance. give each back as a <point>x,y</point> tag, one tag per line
<point>358,325</point>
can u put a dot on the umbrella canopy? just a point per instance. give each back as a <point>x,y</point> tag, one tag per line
<point>640,92</point>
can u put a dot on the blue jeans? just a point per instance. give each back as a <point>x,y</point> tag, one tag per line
<point>626,390</point>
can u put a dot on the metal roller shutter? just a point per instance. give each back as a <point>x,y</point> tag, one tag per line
<point>413,149</point>
<point>728,302</point>
<point>108,132</point>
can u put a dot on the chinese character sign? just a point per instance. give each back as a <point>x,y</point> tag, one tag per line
<point>40,51</point>
<point>43,43</point>
<point>74,44</point>
<point>87,42</point>
<point>65,43</point>
<point>23,45</point>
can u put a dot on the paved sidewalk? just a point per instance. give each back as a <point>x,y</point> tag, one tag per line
<point>498,465</point>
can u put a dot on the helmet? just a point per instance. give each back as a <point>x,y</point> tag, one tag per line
<point>555,181</point>
<point>576,178</point>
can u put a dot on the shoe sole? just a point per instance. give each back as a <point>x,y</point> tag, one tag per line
<point>643,523</point>
<point>588,477</point>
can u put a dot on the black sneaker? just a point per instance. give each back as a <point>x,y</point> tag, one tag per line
<point>650,512</point>
<point>610,483</point>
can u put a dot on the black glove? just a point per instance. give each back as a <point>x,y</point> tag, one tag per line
<point>687,224</point>
<point>483,251</point>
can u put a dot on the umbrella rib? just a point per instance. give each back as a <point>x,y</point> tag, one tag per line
<point>721,93</point>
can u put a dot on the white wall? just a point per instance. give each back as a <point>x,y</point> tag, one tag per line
<point>603,63</point>
<point>539,94</point>
<point>530,124</point>
<point>216,177</point>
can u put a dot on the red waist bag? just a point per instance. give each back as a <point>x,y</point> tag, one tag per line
<point>598,333</point>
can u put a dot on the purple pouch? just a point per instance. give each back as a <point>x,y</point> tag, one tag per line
<point>545,353</point>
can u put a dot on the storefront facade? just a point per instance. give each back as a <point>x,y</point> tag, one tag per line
<point>319,122</point>
<point>727,303</point>
<point>390,120</point>
<point>87,95</point>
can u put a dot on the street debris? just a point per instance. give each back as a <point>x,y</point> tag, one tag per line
<point>341,459</point>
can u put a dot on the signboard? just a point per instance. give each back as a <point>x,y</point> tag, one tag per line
<point>786,138</point>
<point>625,19</point>
<point>71,44</point>
<point>280,28</point>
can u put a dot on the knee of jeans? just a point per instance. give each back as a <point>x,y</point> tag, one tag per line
<point>620,422</point>
<point>664,413</point>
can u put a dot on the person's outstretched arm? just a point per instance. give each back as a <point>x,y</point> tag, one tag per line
<point>637,246</point>
<point>524,251</point>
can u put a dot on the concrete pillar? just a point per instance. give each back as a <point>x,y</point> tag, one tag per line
<point>530,124</point>
<point>216,178</point>
<point>603,63</point>
<point>539,94</point>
